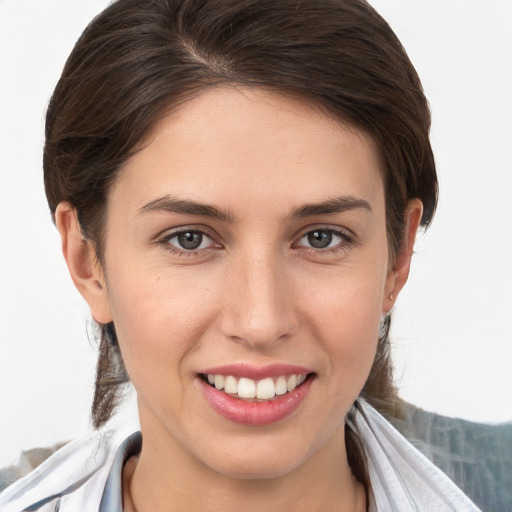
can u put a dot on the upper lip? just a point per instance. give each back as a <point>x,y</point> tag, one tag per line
<point>256,372</point>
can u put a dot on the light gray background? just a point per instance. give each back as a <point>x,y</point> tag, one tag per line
<point>452,334</point>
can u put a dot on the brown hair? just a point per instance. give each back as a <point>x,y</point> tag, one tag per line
<point>140,57</point>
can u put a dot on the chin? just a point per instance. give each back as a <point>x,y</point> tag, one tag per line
<point>263,459</point>
<point>257,467</point>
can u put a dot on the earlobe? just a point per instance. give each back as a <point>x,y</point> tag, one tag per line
<point>83,265</point>
<point>397,276</point>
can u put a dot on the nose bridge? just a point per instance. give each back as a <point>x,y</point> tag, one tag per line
<point>259,308</point>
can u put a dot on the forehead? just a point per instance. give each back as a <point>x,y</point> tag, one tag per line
<point>247,144</point>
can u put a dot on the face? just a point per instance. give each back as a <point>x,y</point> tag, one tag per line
<point>246,267</point>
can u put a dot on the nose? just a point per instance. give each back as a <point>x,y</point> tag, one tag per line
<point>258,302</point>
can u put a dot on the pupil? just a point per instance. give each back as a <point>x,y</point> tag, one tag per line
<point>190,240</point>
<point>320,239</point>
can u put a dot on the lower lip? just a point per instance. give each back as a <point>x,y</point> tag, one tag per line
<point>255,413</point>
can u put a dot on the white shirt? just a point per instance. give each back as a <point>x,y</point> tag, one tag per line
<point>86,474</point>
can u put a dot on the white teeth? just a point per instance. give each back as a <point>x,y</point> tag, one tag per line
<point>231,385</point>
<point>281,386</point>
<point>291,383</point>
<point>219,381</point>
<point>246,388</point>
<point>264,389</point>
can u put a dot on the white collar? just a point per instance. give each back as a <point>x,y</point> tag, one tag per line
<point>86,474</point>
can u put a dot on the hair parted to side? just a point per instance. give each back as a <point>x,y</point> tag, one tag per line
<point>139,58</point>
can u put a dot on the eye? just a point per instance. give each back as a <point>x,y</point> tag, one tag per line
<point>189,240</point>
<point>319,239</point>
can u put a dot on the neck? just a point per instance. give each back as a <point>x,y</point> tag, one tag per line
<point>168,479</point>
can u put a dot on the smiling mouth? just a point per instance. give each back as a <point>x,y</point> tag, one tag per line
<point>262,390</point>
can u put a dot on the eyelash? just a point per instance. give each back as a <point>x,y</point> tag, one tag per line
<point>165,241</point>
<point>346,241</point>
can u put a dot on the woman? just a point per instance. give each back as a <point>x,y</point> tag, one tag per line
<point>238,187</point>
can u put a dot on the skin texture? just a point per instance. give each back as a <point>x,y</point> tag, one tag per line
<point>255,293</point>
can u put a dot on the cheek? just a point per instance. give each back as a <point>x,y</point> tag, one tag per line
<point>159,318</point>
<point>346,315</point>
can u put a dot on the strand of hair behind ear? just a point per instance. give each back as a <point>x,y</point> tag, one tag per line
<point>380,389</point>
<point>110,377</point>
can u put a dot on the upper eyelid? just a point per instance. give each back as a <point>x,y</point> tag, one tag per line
<point>169,233</point>
<point>335,232</point>
<point>345,232</point>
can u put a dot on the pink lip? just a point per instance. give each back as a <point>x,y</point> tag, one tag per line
<point>256,373</point>
<point>255,413</point>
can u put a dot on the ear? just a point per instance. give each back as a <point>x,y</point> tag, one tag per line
<point>397,276</point>
<point>82,263</point>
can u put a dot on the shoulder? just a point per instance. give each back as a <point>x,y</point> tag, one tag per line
<point>476,456</point>
<point>69,471</point>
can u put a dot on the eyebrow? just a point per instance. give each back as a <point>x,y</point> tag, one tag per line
<point>170,204</point>
<point>331,207</point>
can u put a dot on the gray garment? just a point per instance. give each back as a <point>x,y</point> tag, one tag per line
<point>476,456</point>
